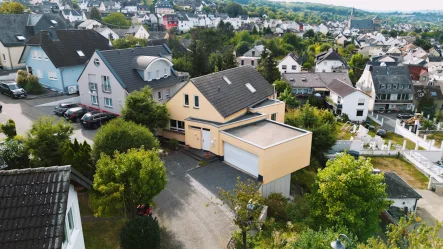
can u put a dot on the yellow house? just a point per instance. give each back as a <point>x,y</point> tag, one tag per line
<point>233,114</point>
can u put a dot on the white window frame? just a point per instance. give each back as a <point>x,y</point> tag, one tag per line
<point>4,57</point>
<point>176,127</point>
<point>166,72</point>
<point>361,102</point>
<point>184,99</point>
<point>108,102</point>
<point>160,95</point>
<point>96,62</point>
<point>39,55</point>
<point>362,113</point>
<point>34,54</point>
<point>94,100</point>
<point>274,116</point>
<point>106,87</point>
<point>198,100</point>
<point>52,75</point>
<point>158,74</point>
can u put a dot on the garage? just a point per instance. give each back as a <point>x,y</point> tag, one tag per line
<point>241,159</point>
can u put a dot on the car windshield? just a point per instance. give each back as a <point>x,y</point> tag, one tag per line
<point>87,117</point>
<point>13,87</point>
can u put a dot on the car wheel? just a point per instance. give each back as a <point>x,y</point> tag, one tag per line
<point>77,120</point>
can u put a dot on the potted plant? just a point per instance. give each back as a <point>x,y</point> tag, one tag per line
<point>207,154</point>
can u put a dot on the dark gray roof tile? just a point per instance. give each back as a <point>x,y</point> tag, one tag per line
<point>33,206</point>
<point>397,188</point>
<point>120,61</point>
<point>231,98</point>
<point>341,88</point>
<point>63,53</point>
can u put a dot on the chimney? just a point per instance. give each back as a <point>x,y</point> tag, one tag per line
<point>53,33</point>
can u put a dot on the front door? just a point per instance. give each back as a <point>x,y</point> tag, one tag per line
<point>206,140</point>
<point>30,70</point>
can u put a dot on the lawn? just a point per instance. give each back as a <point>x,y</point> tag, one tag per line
<point>342,135</point>
<point>403,168</point>
<point>98,232</point>
<point>438,137</point>
<point>397,139</point>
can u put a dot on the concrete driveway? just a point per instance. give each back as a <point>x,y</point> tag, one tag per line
<point>430,208</point>
<point>389,120</point>
<point>189,210</point>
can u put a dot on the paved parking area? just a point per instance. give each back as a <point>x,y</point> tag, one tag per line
<point>189,210</point>
<point>430,208</point>
<point>24,112</point>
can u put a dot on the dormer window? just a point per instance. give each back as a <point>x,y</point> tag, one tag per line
<point>80,53</point>
<point>149,76</point>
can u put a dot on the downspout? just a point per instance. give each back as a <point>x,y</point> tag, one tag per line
<point>10,60</point>
<point>63,82</point>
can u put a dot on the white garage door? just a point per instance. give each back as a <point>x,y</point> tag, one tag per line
<point>241,159</point>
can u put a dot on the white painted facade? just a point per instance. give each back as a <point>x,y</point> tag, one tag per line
<point>75,238</point>
<point>108,33</point>
<point>327,66</point>
<point>355,105</point>
<point>93,74</point>
<point>89,24</point>
<point>407,202</point>
<point>281,185</point>
<point>141,33</point>
<point>289,65</point>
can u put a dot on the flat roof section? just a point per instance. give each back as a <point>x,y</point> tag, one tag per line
<point>264,133</point>
<point>267,102</point>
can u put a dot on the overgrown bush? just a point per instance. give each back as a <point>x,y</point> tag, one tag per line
<point>9,129</point>
<point>277,203</point>
<point>173,144</point>
<point>33,86</point>
<point>304,178</point>
<point>141,233</point>
<point>28,82</point>
<point>15,154</point>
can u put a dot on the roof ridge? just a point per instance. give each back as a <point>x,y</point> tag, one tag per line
<point>36,170</point>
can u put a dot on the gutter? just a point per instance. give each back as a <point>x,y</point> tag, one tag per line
<point>63,82</point>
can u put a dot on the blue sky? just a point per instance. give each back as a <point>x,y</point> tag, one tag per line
<point>382,5</point>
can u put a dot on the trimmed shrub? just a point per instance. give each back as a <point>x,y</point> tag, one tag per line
<point>9,129</point>
<point>33,86</point>
<point>141,233</point>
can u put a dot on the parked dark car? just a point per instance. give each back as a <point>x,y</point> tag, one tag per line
<point>95,119</point>
<point>381,133</point>
<point>75,114</point>
<point>405,115</point>
<point>60,109</point>
<point>12,90</point>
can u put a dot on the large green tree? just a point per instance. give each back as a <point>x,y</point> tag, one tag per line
<point>127,180</point>
<point>347,193</point>
<point>140,108</point>
<point>79,156</point>
<point>268,66</point>
<point>246,202</point>
<point>95,14</point>
<point>141,233</point>
<point>199,59</point>
<point>288,97</point>
<point>11,8</point>
<point>322,125</point>
<point>45,141</point>
<point>357,65</point>
<point>427,106</point>
<point>234,9</point>
<point>120,135</point>
<point>116,20</point>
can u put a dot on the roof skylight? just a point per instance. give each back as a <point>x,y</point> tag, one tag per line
<point>54,21</point>
<point>80,53</point>
<point>250,87</point>
<point>20,37</point>
<point>227,80</point>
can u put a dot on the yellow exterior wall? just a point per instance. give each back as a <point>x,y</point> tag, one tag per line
<point>172,135</point>
<point>279,160</point>
<point>12,56</point>
<point>194,138</point>
<point>285,158</point>
<point>278,108</point>
<point>179,112</point>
